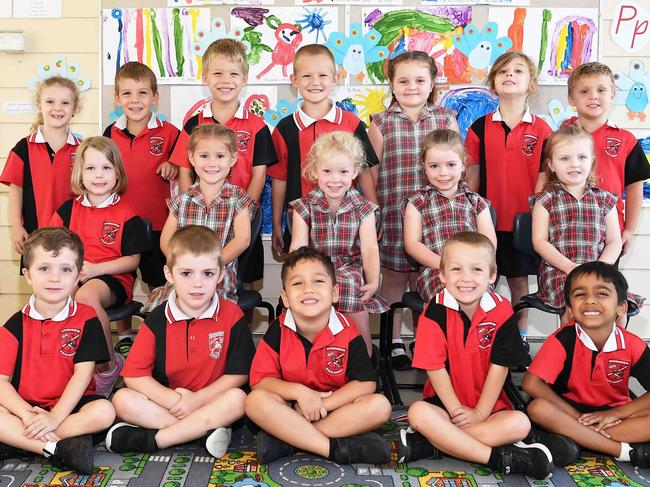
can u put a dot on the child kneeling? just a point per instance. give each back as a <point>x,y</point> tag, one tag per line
<point>189,359</point>
<point>312,379</point>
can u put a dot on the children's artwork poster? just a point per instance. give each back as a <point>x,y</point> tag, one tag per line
<point>196,3</point>
<point>629,28</point>
<point>349,2</point>
<point>469,102</point>
<point>161,38</point>
<point>276,34</point>
<point>558,39</point>
<point>476,2</point>
<point>363,100</point>
<point>632,90</point>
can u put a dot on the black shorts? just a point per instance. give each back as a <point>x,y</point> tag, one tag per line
<point>435,401</point>
<point>114,286</point>
<point>152,263</point>
<point>583,408</point>
<point>255,269</point>
<point>83,401</point>
<point>511,263</point>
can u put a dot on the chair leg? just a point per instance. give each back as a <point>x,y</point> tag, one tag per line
<point>514,395</point>
<point>384,366</point>
<point>386,331</point>
<point>270,311</point>
<point>279,308</point>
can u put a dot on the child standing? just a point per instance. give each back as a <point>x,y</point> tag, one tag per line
<point>113,237</point>
<point>396,135</point>
<point>505,150</point>
<point>38,168</point>
<point>189,360</point>
<point>337,220</point>
<point>48,404</point>
<point>313,383</point>
<point>445,207</point>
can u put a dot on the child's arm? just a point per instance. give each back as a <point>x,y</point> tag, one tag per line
<point>492,389</point>
<point>485,225</point>
<point>441,383</point>
<point>413,239</point>
<point>600,421</point>
<point>256,184</point>
<point>15,204</point>
<point>309,401</point>
<point>633,202</point>
<point>367,185</point>
<point>11,400</point>
<point>454,125</point>
<point>299,232</point>
<point>171,224</point>
<point>613,242</point>
<point>348,393</point>
<point>154,390</point>
<point>541,182</point>
<point>369,257</point>
<point>121,265</point>
<point>538,389</point>
<point>241,239</point>
<point>278,194</point>
<point>541,244</point>
<point>190,401</point>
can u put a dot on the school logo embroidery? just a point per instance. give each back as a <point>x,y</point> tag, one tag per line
<point>612,146</point>
<point>530,141</point>
<point>109,233</point>
<point>335,357</point>
<point>616,370</point>
<point>215,342</point>
<point>69,341</point>
<point>156,145</point>
<point>485,334</point>
<point>243,139</point>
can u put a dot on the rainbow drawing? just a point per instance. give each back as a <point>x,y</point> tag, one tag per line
<point>571,45</point>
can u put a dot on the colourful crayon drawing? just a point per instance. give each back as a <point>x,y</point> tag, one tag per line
<point>353,52</point>
<point>196,3</point>
<point>363,101</point>
<point>218,30</point>
<point>470,103</point>
<point>481,48</point>
<point>161,38</point>
<point>633,90</point>
<point>558,113</point>
<point>284,108</point>
<point>59,67</point>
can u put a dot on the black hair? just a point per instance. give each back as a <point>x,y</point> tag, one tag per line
<point>606,272</point>
<point>307,253</point>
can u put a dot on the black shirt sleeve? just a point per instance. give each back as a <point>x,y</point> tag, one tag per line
<point>264,150</point>
<point>134,237</point>
<point>641,369</point>
<point>508,348</point>
<point>371,156</point>
<point>108,130</point>
<point>92,344</point>
<point>273,335</point>
<point>359,365</point>
<point>637,167</point>
<point>241,349</point>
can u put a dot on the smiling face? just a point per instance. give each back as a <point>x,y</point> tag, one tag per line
<point>99,177</point>
<point>314,76</point>
<point>412,84</point>
<point>225,78</point>
<point>572,160</point>
<point>136,98</point>
<point>52,277</point>
<point>592,96</point>
<point>443,168</point>
<point>593,302</point>
<point>57,105</point>
<point>513,79</point>
<point>212,160</point>
<point>335,174</point>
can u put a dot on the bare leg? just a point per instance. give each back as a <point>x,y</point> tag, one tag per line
<point>96,293</point>
<point>362,322</point>
<point>136,408</point>
<point>364,414</point>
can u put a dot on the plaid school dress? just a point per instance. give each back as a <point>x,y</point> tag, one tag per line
<point>338,236</point>
<point>441,218</point>
<point>401,173</point>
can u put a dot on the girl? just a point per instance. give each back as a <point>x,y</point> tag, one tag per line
<point>396,135</point>
<point>113,237</point>
<point>445,207</point>
<point>337,220</point>
<point>505,150</point>
<point>37,170</point>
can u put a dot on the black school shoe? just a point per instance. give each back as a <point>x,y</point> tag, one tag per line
<point>75,453</point>
<point>270,448</point>
<point>412,446</point>
<point>401,361</point>
<point>8,451</point>
<point>533,460</point>
<point>640,455</point>
<point>366,448</point>
<point>125,437</point>
<point>564,450</point>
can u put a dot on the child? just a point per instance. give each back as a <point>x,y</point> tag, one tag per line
<point>213,202</point>
<point>113,237</point>
<point>337,220</point>
<point>445,207</point>
<point>189,360</point>
<point>314,76</point>
<point>48,404</point>
<point>38,168</point>
<point>396,135</point>
<point>580,377</point>
<point>574,221</point>
<point>466,340</point>
<point>313,383</point>
<point>505,150</point>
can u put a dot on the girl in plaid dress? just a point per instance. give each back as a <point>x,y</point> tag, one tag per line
<point>337,220</point>
<point>443,208</point>
<point>396,135</point>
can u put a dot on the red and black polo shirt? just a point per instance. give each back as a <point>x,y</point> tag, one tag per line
<point>254,144</point>
<point>108,231</point>
<point>337,355</point>
<point>43,174</point>
<point>295,134</point>
<point>572,365</point>
<point>39,354</point>
<point>466,347</point>
<point>509,162</point>
<point>142,154</point>
<point>179,351</point>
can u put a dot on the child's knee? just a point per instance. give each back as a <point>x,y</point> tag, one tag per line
<point>101,413</point>
<point>539,409</point>
<point>235,399</point>
<point>123,401</point>
<point>518,424</point>
<point>258,401</point>
<point>378,406</point>
<point>421,412</point>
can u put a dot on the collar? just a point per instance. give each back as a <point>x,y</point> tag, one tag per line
<point>615,340</point>
<point>110,201</point>
<point>351,200</point>
<point>241,113</point>
<point>173,313</point>
<point>576,120</point>
<point>68,310</point>
<point>335,115</point>
<point>39,138</point>
<point>334,323</point>
<point>153,122</point>
<point>487,303</point>
<point>528,117</point>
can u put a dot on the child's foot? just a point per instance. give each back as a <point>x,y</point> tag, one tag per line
<point>105,381</point>
<point>398,358</point>
<point>533,460</point>
<point>640,455</point>
<point>125,437</point>
<point>76,453</point>
<point>413,446</point>
<point>366,448</point>
<point>564,450</point>
<point>217,442</point>
<point>123,345</point>
<point>270,448</point>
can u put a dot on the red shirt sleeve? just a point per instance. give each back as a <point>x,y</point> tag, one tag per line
<point>142,356</point>
<point>9,352</point>
<point>279,170</point>
<point>430,345</point>
<point>472,146</point>
<point>13,170</point>
<point>179,154</point>
<point>549,361</point>
<point>266,363</point>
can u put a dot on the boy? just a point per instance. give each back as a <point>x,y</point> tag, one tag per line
<point>467,337</point>
<point>189,360</point>
<point>49,350</point>
<point>313,383</point>
<point>314,76</point>
<point>145,144</point>
<point>579,379</point>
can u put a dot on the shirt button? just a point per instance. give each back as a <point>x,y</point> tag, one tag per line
<point>192,338</point>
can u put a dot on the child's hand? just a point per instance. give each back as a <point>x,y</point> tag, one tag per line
<point>88,271</point>
<point>167,171</point>
<point>465,416</point>
<point>187,404</point>
<point>600,421</point>
<point>368,291</point>
<point>277,240</point>
<point>310,404</point>
<point>18,236</point>
<point>627,236</point>
<point>41,423</point>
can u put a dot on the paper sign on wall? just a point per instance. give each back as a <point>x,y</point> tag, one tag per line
<point>33,9</point>
<point>630,28</point>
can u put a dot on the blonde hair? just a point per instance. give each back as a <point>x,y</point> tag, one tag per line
<point>589,69</point>
<point>475,239</point>
<point>138,72</point>
<point>333,143</point>
<point>110,151</point>
<point>446,138</point>
<point>234,50</point>
<point>55,81</point>
<point>212,131</point>
<point>505,59</point>
<point>196,240</point>
<point>570,132</point>
<point>417,57</point>
<point>313,50</point>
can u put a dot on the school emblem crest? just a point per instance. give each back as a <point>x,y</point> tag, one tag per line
<point>486,334</point>
<point>69,341</point>
<point>530,141</point>
<point>616,370</point>
<point>109,233</point>
<point>215,342</point>
<point>612,146</point>
<point>243,140</point>
<point>156,145</point>
<point>335,358</point>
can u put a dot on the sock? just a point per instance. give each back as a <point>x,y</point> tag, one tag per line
<point>333,448</point>
<point>493,462</point>
<point>625,452</point>
<point>48,448</point>
<point>397,351</point>
<point>523,334</point>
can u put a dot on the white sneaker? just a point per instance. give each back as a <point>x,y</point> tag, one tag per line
<point>217,442</point>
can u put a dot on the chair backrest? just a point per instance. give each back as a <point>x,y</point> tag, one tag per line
<point>493,214</point>
<point>523,234</point>
<point>256,229</point>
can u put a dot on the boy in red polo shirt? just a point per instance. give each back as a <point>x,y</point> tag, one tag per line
<point>579,380</point>
<point>313,383</point>
<point>48,404</point>
<point>189,360</point>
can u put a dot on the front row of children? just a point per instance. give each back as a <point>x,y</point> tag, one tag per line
<point>194,354</point>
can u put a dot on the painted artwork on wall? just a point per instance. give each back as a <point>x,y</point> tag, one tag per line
<point>470,103</point>
<point>349,2</point>
<point>632,90</point>
<point>161,38</point>
<point>558,113</point>
<point>363,101</point>
<point>196,3</point>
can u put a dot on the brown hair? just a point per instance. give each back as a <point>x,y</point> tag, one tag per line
<point>307,253</point>
<point>53,239</point>
<point>138,72</point>
<point>571,131</point>
<point>505,59</point>
<point>474,239</point>
<point>234,50</point>
<point>196,240</point>
<point>212,131</point>
<point>413,56</point>
<point>332,143</point>
<point>314,50</point>
<point>589,69</point>
<point>110,151</point>
<point>447,138</point>
<point>61,81</point>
